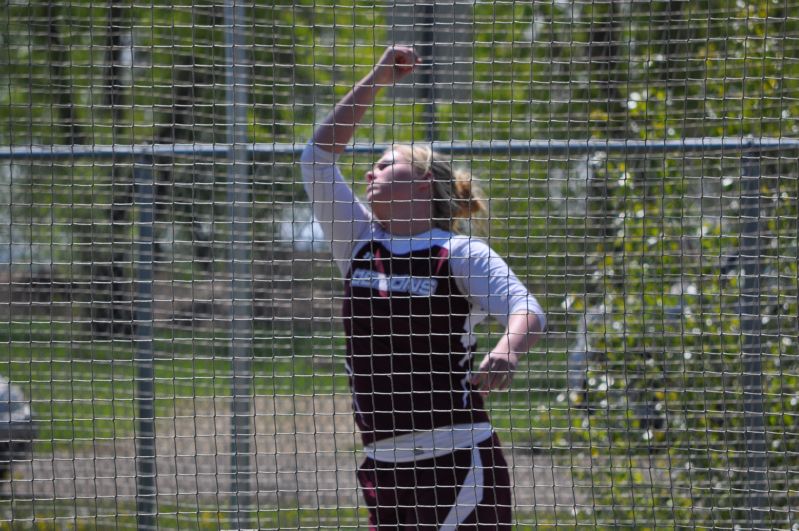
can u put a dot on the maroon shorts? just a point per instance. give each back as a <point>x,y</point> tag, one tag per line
<point>467,489</point>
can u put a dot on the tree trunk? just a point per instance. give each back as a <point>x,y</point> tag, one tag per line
<point>112,314</point>
<point>59,80</point>
<point>604,61</point>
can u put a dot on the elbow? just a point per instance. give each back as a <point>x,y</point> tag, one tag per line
<point>307,157</point>
<point>535,325</point>
<point>539,324</point>
<point>528,322</point>
<point>310,168</point>
<point>529,312</point>
<point>524,330</point>
<point>531,316</point>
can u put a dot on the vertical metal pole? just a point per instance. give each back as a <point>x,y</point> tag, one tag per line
<point>146,503</point>
<point>238,195</point>
<point>427,79</point>
<point>750,308</point>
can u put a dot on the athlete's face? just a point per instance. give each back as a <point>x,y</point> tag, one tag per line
<point>393,184</point>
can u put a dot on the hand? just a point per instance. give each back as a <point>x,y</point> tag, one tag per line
<point>495,372</point>
<point>396,63</point>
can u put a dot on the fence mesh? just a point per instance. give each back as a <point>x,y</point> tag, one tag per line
<point>665,391</point>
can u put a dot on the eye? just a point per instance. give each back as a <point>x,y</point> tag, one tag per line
<point>381,165</point>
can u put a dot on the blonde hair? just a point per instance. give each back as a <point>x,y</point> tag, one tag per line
<point>456,195</point>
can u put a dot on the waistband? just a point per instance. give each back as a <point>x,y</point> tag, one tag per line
<point>421,445</point>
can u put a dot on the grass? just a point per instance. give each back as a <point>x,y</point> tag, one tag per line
<point>112,514</point>
<point>82,392</point>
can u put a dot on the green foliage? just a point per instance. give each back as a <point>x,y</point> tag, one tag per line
<point>670,337</point>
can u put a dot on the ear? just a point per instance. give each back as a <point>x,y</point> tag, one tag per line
<point>426,183</point>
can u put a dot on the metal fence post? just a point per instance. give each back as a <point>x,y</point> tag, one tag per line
<point>146,502</point>
<point>238,196</point>
<point>756,480</point>
<point>428,80</point>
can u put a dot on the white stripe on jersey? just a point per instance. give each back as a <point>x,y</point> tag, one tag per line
<point>469,496</point>
<point>355,407</point>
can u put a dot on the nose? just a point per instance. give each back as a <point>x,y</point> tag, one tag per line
<point>370,176</point>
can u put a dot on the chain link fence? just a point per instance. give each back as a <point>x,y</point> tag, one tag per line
<point>173,354</point>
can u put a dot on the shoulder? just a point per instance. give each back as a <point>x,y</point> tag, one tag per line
<point>313,154</point>
<point>372,232</point>
<point>462,246</point>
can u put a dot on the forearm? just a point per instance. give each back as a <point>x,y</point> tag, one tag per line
<point>496,369</point>
<point>522,332</point>
<point>335,132</point>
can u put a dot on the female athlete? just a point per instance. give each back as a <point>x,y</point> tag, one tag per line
<point>414,291</point>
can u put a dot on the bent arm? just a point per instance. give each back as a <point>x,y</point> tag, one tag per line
<point>489,282</point>
<point>343,218</point>
<point>523,331</point>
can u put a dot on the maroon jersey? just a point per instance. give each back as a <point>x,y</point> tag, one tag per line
<point>408,353</point>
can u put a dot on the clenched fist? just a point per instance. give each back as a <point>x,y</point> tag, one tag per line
<point>395,63</point>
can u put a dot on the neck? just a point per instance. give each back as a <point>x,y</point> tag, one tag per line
<point>407,227</point>
<point>406,218</point>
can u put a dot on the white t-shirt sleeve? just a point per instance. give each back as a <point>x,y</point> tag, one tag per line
<point>343,218</point>
<point>489,282</point>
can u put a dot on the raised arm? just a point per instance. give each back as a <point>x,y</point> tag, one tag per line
<point>342,217</point>
<point>335,132</point>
